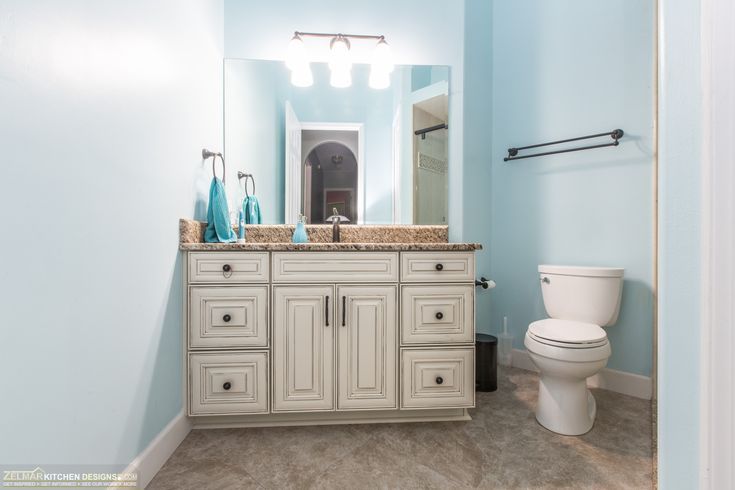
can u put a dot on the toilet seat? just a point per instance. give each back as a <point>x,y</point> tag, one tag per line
<point>600,352</point>
<point>567,334</point>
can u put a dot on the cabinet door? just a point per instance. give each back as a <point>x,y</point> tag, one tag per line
<point>303,348</point>
<point>367,344</point>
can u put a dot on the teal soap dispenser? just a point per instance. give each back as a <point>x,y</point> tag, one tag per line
<point>299,234</point>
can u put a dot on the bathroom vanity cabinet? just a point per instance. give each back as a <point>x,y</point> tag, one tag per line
<point>302,337</point>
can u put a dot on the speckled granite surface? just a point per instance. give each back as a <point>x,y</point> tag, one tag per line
<point>326,247</point>
<point>354,237</point>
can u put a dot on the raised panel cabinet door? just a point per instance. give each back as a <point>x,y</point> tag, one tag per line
<point>303,348</point>
<point>366,347</point>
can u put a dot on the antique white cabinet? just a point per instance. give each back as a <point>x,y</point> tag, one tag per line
<point>315,337</point>
<point>303,348</point>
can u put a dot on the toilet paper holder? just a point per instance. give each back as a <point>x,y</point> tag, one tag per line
<point>485,283</point>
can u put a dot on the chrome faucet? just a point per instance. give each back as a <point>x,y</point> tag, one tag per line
<point>336,219</point>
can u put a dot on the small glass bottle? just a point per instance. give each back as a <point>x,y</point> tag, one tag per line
<point>299,234</point>
<point>241,228</point>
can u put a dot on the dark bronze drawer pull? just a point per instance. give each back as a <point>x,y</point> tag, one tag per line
<point>227,270</point>
<point>439,267</point>
<point>439,315</point>
<point>439,380</point>
<point>226,318</point>
<point>227,385</point>
<point>344,310</point>
<point>326,310</point>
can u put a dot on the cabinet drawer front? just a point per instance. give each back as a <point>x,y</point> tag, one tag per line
<point>438,378</point>
<point>437,314</point>
<point>321,267</point>
<point>228,317</point>
<point>228,383</point>
<point>437,266</point>
<point>231,267</point>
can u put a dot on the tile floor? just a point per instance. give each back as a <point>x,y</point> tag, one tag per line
<point>502,447</point>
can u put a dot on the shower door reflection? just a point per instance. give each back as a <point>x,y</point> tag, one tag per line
<point>430,162</point>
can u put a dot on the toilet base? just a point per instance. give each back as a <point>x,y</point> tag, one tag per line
<point>565,405</point>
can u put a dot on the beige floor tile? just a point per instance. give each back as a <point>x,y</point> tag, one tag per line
<point>503,447</point>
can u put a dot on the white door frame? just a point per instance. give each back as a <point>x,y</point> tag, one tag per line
<point>360,129</point>
<point>717,352</point>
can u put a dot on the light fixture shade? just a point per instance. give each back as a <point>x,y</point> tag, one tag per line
<point>339,54</point>
<point>383,57</point>
<point>340,78</point>
<point>379,78</point>
<point>302,76</point>
<point>296,56</point>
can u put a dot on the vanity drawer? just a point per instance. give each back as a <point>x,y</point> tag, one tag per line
<point>326,267</point>
<point>228,383</point>
<point>437,314</point>
<point>230,267</point>
<point>437,266</point>
<point>222,317</point>
<point>438,378</point>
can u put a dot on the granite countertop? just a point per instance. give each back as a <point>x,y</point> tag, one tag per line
<point>354,238</point>
<point>322,247</point>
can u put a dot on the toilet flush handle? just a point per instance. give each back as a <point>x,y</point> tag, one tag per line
<point>545,280</point>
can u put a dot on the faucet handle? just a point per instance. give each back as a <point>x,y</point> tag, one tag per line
<point>337,218</point>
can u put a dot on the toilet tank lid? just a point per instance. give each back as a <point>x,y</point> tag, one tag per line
<point>573,270</point>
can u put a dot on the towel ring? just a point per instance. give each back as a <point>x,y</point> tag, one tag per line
<point>242,175</point>
<point>224,169</point>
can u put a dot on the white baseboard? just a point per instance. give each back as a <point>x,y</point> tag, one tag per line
<point>607,379</point>
<point>152,458</point>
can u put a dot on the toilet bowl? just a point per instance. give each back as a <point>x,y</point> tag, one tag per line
<point>571,346</point>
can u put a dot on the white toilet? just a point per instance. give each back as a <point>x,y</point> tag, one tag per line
<point>570,346</point>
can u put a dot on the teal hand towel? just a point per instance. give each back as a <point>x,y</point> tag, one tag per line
<point>251,210</point>
<point>218,215</point>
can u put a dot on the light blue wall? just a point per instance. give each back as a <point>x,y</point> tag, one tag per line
<point>479,147</point>
<point>565,69</point>
<point>680,116</point>
<point>420,34</point>
<point>105,109</point>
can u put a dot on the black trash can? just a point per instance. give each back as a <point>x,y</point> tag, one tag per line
<point>486,362</point>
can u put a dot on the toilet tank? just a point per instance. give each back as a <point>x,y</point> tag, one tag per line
<point>585,294</point>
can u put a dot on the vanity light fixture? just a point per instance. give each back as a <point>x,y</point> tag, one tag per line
<point>297,61</point>
<point>340,61</point>
<point>382,66</point>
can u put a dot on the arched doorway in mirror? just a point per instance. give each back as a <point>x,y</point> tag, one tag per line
<point>330,180</point>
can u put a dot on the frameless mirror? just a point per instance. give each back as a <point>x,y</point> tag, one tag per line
<point>375,155</point>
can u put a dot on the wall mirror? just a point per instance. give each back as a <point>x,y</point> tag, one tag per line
<point>377,156</point>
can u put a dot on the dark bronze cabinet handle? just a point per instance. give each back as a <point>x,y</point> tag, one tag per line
<point>439,380</point>
<point>227,385</point>
<point>344,310</point>
<point>226,268</point>
<point>326,310</point>
<point>227,318</point>
<point>439,315</point>
<point>439,267</point>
